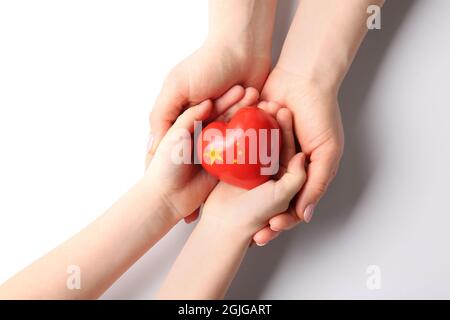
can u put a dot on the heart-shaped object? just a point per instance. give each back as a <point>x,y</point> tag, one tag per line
<point>245,152</point>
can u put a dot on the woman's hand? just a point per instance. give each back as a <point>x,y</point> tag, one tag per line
<point>318,128</point>
<point>236,51</point>
<point>207,74</point>
<point>317,52</point>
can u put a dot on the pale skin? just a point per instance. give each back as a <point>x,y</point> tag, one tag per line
<point>106,248</point>
<point>230,217</point>
<point>235,52</point>
<point>317,53</point>
<point>319,49</point>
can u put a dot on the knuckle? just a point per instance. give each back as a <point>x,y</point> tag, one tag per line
<point>320,187</point>
<point>334,173</point>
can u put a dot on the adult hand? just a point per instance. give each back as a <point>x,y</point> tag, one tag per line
<point>309,72</point>
<point>206,74</point>
<point>318,127</point>
<point>236,51</point>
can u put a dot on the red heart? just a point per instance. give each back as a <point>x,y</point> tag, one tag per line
<point>237,152</point>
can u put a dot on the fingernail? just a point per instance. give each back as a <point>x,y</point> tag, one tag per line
<point>308,214</point>
<point>261,244</point>
<point>274,229</point>
<point>150,142</point>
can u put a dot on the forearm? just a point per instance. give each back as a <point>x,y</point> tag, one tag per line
<point>207,264</point>
<point>247,23</point>
<point>324,38</point>
<point>102,251</point>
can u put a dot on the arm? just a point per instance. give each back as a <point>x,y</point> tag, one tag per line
<point>319,49</point>
<point>212,255</point>
<point>208,262</point>
<point>324,38</point>
<point>245,23</point>
<point>103,250</point>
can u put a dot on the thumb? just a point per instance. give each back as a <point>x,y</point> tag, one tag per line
<point>292,180</point>
<point>185,122</point>
<point>196,113</point>
<point>154,139</point>
<point>281,191</point>
<point>168,106</point>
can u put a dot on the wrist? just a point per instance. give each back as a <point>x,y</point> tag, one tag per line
<point>308,82</point>
<point>160,204</point>
<point>222,228</point>
<point>246,26</point>
<point>242,42</point>
<point>321,70</point>
<point>244,49</point>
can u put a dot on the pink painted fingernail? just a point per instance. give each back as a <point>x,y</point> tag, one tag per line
<point>150,142</point>
<point>308,214</point>
<point>261,244</point>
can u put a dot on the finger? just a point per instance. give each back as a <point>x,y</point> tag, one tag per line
<point>149,153</point>
<point>265,235</point>
<point>281,191</point>
<point>292,181</point>
<point>227,100</point>
<point>192,217</point>
<point>168,106</point>
<point>285,221</point>
<point>270,107</point>
<point>284,119</point>
<point>196,113</point>
<point>250,97</point>
<point>262,105</point>
<point>321,170</point>
<point>185,121</point>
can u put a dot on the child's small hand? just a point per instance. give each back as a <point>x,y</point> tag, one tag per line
<point>183,187</point>
<point>248,211</point>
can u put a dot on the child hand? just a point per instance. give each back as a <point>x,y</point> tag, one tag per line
<point>248,211</point>
<point>183,187</point>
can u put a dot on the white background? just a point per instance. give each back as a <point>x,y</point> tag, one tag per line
<point>77,81</point>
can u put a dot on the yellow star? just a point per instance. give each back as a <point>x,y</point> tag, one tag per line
<point>213,155</point>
